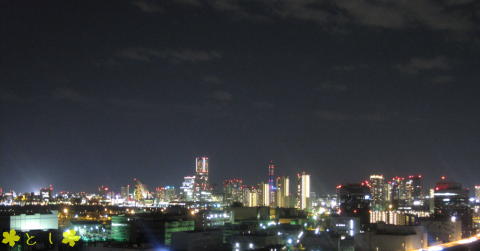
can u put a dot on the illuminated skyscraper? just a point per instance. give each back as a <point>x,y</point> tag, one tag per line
<point>201,188</point>
<point>271,182</point>
<point>399,192</point>
<point>186,190</point>
<point>283,192</point>
<point>303,190</point>
<point>125,192</point>
<point>355,201</point>
<point>264,194</point>
<point>451,201</point>
<point>232,191</point>
<point>477,192</point>
<point>414,198</point>
<point>165,194</point>
<point>250,196</point>
<point>378,190</point>
<point>46,193</point>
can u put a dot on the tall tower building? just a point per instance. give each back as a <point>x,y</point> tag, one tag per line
<point>186,190</point>
<point>271,183</point>
<point>477,192</point>
<point>283,192</point>
<point>378,190</point>
<point>355,201</point>
<point>414,192</point>
<point>250,196</point>
<point>303,190</point>
<point>451,201</point>
<point>232,191</point>
<point>399,192</point>
<point>264,194</point>
<point>46,193</point>
<point>125,192</point>
<point>201,188</point>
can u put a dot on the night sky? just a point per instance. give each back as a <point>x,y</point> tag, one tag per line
<point>99,92</point>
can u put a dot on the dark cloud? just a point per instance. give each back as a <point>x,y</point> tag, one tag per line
<point>263,105</point>
<point>149,6</point>
<point>139,54</point>
<point>350,67</point>
<point>442,79</point>
<point>192,56</point>
<point>329,86</point>
<point>11,97</point>
<point>71,95</point>
<point>174,56</point>
<point>212,79</point>
<point>222,96</point>
<point>416,65</point>
<point>342,116</point>
<point>390,14</point>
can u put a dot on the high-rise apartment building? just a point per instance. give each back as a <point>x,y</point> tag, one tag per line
<point>283,192</point>
<point>303,191</point>
<point>232,191</point>
<point>264,194</point>
<point>250,196</point>
<point>477,192</point>
<point>451,202</point>
<point>378,191</point>
<point>354,201</point>
<point>125,192</point>
<point>186,190</point>
<point>414,198</point>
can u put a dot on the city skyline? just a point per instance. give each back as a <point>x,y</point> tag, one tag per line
<point>201,168</point>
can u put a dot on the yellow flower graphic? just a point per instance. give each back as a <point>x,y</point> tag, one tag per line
<point>10,238</point>
<point>70,237</point>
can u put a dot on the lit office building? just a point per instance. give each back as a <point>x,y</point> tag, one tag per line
<point>414,198</point>
<point>166,193</point>
<point>186,190</point>
<point>46,193</point>
<point>398,192</point>
<point>232,191</point>
<point>477,192</point>
<point>451,202</point>
<point>125,192</point>
<point>395,217</point>
<point>354,201</point>
<point>283,192</point>
<point>303,191</point>
<point>31,222</point>
<point>264,194</point>
<point>378,190</point>
<point>250,196</point>
<point>201,188</point>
